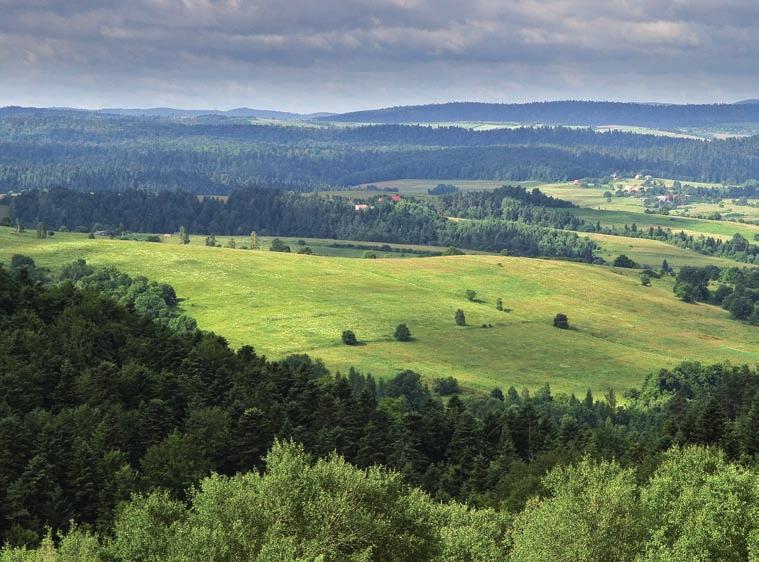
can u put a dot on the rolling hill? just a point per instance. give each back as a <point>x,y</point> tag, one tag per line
<point>285,303</point>
<point>570,112</point>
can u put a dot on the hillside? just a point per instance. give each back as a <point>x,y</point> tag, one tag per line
<point>568,112</point>
<point>288,304</point>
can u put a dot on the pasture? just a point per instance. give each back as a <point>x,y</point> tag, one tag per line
<point>288,303</point>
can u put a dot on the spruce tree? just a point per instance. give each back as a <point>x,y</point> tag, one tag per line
<point>460,318</point>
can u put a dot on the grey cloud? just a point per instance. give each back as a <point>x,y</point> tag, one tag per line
<point>347,54</point>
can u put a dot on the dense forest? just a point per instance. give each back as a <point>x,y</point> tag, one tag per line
<point>216,154</point>
<point>99,402</point>
<point>570,112</point>
<point>735,290</point>
<point>532,230</point>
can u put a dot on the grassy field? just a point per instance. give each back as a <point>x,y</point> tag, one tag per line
<point>652,252</point>
<point>286,303</point>
<point>327,247</point>
<point>592,203</point>
<point>628,210</point>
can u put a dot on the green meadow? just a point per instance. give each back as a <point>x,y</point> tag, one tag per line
<point>652,252</point>
<point>288,303</point>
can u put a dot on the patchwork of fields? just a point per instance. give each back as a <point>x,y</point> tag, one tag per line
<point>287,303</point>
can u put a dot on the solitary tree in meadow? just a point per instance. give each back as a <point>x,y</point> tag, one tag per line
<point>561,321</point>
<point>623,261</point>
<point>460,318</point>
<point>253,240</point>
<point>19,226</point>
<point>499,303</point>
<point>231,243</point>
<point>41,230</point>
<point>184,236</point>
<point>349,338</point>
<point>402,333</point>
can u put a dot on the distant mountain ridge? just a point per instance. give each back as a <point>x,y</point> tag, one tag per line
<point>245,112</point>
<point>571,112</point>
<point>237,112</point>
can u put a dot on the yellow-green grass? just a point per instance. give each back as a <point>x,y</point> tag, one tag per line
<point>323,246</point>
<point>594,207</point>
<point>727,209</point>
<point>286,303</point>
<point>694,226</point>
<point>653,252</point>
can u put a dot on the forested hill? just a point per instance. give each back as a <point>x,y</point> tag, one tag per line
<point>216,154</point>
<point>98,403</point>
<point>531,230</point>
<point>589,113</point>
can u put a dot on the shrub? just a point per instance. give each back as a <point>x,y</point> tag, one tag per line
<point>645,280</point>
<point>471,295</point>
<point>349,338</point>
<point>561,321</point>
<point>623,261</point>
<point>460,318</point>
<point>278,246</point>
<point>445,386</point>
<point>402,333</point>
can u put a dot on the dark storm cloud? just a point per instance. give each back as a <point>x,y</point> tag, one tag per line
<point>334,54</point>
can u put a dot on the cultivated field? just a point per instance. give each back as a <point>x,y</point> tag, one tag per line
<point>593,205</point>
<point>286,303</point>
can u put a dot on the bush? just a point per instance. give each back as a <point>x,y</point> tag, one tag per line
<point>623,261</point>
<point>471,295</point>
<point>370,256</point>
<point>446,386</point>
<point>402,333</point>
<point>452,251</point>
<point>460,318</point>
<point>306,250</point>
<point>645,280</point>
<point>278,246</point>
<point>349,338</point>
<point>561,321</point>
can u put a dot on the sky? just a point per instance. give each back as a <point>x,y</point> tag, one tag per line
<point>344,55</point>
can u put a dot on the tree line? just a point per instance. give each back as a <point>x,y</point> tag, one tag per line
<point>280,213</point>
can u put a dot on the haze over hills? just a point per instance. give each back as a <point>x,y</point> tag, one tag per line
<point>172,112</point>
<point>237,112</point>
<point>589,113</point>
<point>568,112</point>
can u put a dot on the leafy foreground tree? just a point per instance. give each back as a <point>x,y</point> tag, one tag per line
<point>696,506</point>
<point>300,510</point>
